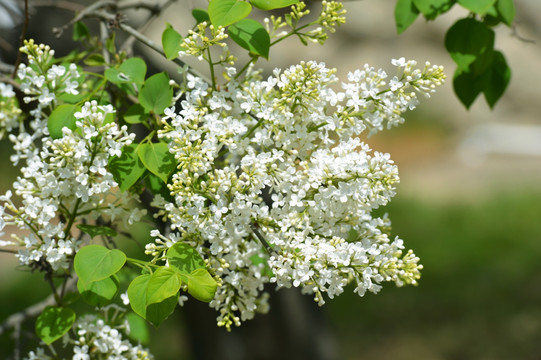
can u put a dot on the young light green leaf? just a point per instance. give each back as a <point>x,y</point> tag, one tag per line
<point>272,4</point>
<point>53,323</point>
<point>405,14</point>
<point>252,36</point>
<point>156,94</point>
<point>201,285</point>
<point>184,258</point>
<point>477,6</point>
<point>171,42</point>
<point>137,294</point>
<point>431,9</point>
<point>227,12</point>
<point>163,283</point>
<point>497,79</point>
<point>157,159</point>
<point>469,41</point>
<point>99,293</point>
<point>158,312</point>
<point>62,116</point>
<point>200,15</point>
<point>95,230</point>
<point>96,262</point>
<point>128,168</point>
<point>507,11</point>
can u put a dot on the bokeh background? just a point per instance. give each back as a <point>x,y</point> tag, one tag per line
<point>469,204</point>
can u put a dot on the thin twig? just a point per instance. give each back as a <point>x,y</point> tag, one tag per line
<point>143,39</point>
<point>21,39</point>
<point>263,241</point>
<point>128,44</point>
<point>84,13</point>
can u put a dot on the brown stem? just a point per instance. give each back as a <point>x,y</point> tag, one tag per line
<point>21,39</point>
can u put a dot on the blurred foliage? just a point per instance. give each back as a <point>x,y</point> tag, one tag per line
<point>480,293</point>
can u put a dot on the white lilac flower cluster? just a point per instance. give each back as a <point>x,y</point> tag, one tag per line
<point>63,180</point>
<point>94,339</point>
<point>11,113</point>
<point>274,185</point>
<point>42,81</point>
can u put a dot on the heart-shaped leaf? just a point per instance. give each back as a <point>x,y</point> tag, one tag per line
<point>156,94</point>
<point>171,42</point>
<point>477,6</point>
<point>184,258</point>
<point>405,14</point>
<point>201,285</point>
<point>62,116</point>
<point>227,12</point>
<point>53,323</point>
<point>252,36</point>
<point>469,41</point>
<point>157,159</point>
<point>95,262</point>
<point>99,293</point>
<point>272,4</point>
<point>128,168</point>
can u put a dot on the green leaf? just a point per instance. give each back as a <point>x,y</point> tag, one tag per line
<point>469,41</point>
<point>227,12</point>
<point>467,86</point>
<point>163,284</point>
<point>133,70</point>
<point>184,258</point>
<point>405,14</point>
<point>431,9</point>
<point>137,293</point>
<point>95,60</point>
<point>128,168</point>
<point>201,285</point>
<point>138,328</point>
<point>157,159</point>
<point>171,42</point>
<point>80,31</point>
<point>141,288</point>
<point>156,94</point>
<point>497,79</point>
<point>99,293</point>
<point>158,312</point>
<point>252,36</point>
<point>157,186</point>
<point>135,114</point>
<point>53,323</point>
<point>200,15</point>
<point>95,230</point>
<point>477,6</point>
<point>507,11</point>
<point>62,116</point>
<point>95,262</point>
<point>272,4</point>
